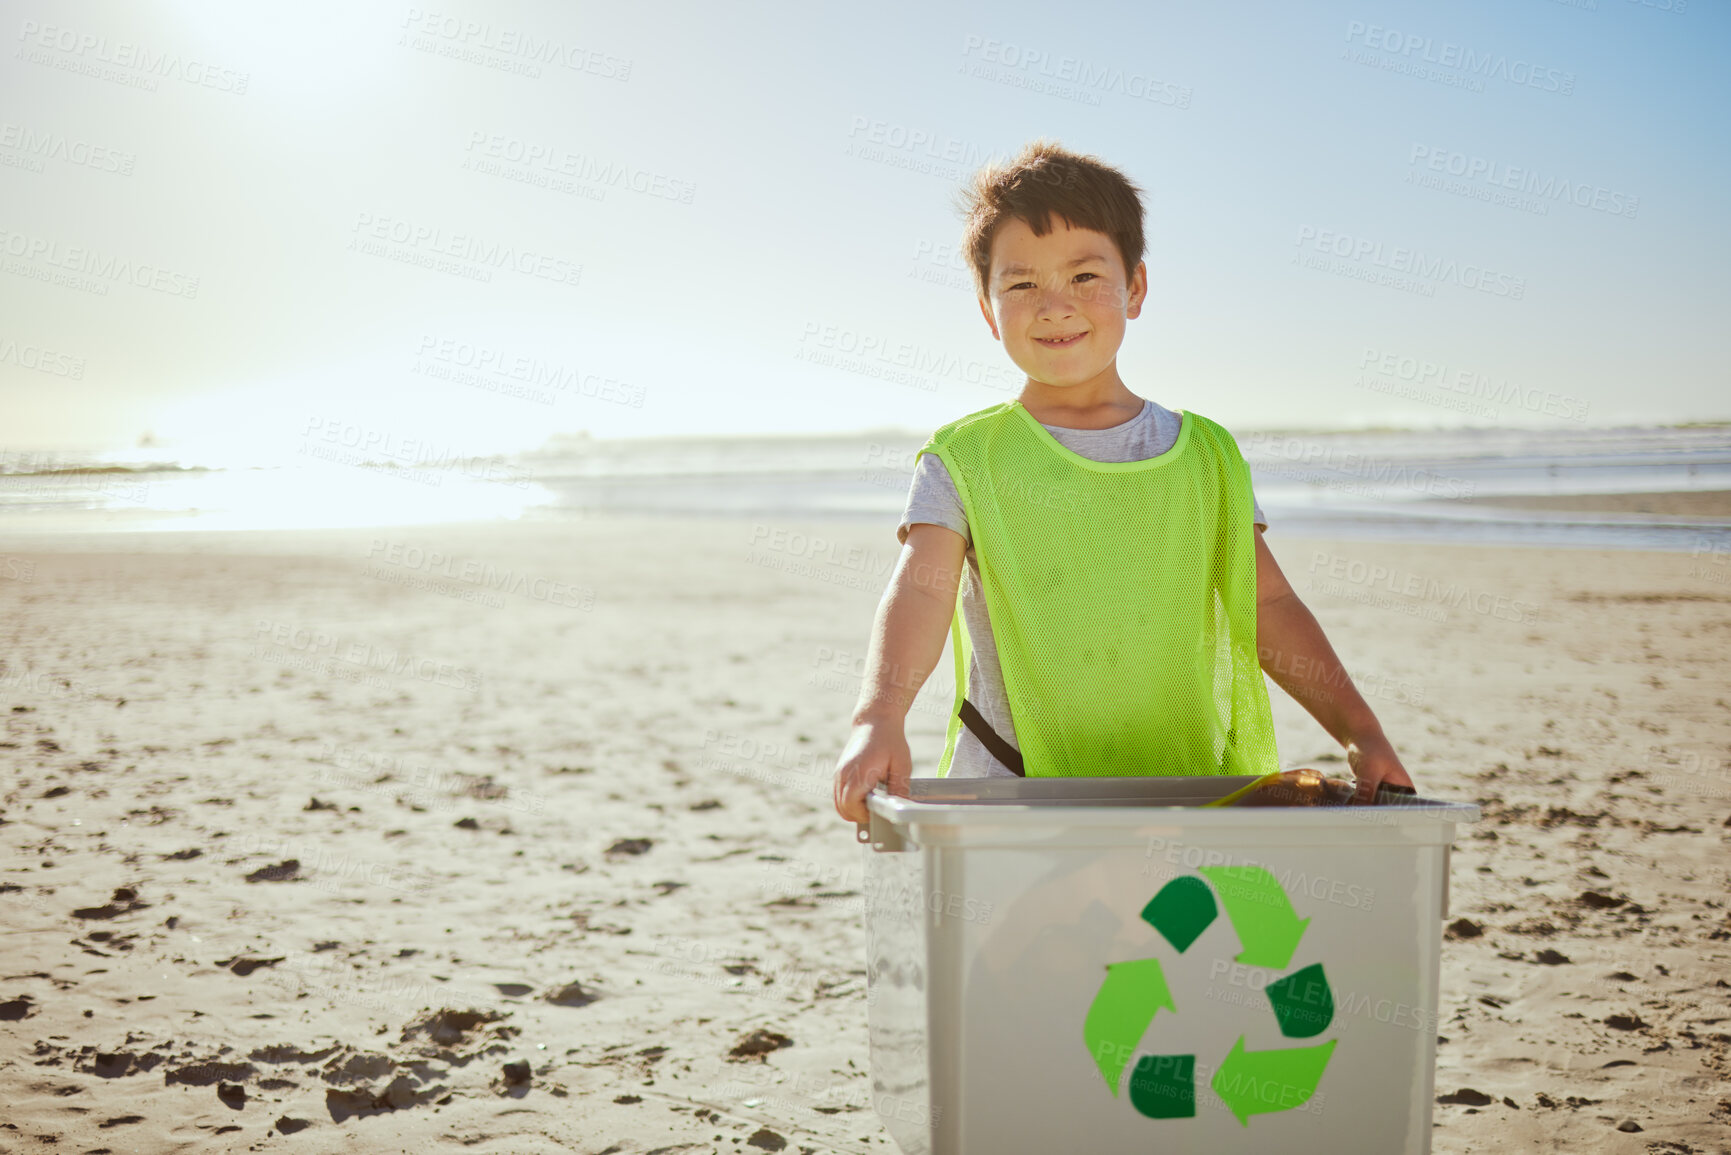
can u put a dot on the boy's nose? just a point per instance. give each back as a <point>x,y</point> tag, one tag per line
<point>1055,303</point>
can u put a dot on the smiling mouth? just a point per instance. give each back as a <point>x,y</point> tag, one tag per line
<point>1060,342</point>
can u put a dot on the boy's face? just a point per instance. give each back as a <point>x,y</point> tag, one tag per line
<point>1059,302</point>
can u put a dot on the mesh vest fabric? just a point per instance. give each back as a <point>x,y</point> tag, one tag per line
<point>1122,597</point>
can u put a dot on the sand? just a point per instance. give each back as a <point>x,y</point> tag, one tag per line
<point>316,834</point>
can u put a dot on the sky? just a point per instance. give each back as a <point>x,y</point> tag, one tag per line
<point>226,228</point>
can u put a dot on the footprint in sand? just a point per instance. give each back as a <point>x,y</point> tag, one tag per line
<point>357,1090</point>
<point>203,1074</point>
<point>116,1064</point>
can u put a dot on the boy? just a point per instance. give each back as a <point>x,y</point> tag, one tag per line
<point>1117,608</point>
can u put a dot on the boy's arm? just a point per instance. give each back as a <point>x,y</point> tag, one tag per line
<point>907,641</point>
<point>1295,653</point>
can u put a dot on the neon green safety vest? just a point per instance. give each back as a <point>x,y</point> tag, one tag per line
<point>1122,597</point>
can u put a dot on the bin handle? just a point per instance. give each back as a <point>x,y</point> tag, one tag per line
<point>862,831</point>
<point>875,832</point>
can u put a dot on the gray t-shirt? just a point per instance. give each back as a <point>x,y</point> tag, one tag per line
<point>932,498</point>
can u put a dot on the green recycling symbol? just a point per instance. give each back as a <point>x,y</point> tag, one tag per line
<point>1249,1081</point>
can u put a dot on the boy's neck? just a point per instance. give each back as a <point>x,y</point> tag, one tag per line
<point>1097,404</point>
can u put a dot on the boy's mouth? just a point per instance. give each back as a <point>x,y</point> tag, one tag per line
<point>1060,342</point>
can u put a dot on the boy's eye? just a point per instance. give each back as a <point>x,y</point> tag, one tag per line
<point>1020,285</point>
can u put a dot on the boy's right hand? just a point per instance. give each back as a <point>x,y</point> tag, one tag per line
<point>875,752</point>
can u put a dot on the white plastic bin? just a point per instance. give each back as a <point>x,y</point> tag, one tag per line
<point>1027,991</point>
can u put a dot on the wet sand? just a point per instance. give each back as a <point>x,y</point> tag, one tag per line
<point>1704,503</point>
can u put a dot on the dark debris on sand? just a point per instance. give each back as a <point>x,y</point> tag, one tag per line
<point>572,994</point>
<point>243,965</point>
<point>758,1044</point>
<point>287,870</point>
<point>1467,1096</point>
<point>124,901</point>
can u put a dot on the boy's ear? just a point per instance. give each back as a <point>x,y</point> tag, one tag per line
<point>991,321</point>
<point>1138,291</point>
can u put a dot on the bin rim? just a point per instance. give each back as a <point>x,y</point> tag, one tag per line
<point>1119,802</point>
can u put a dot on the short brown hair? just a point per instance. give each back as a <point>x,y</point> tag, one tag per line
<point>1045,179</point>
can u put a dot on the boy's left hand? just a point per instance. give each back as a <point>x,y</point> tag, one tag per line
<point>1373,762</point>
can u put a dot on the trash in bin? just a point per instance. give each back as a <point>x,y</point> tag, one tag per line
<point>1146,964</point>
<point>1290,788</point>
<point>1310,788</point>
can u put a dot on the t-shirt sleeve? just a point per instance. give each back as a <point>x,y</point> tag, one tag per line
<point>1257,516</point>
<point>932,498</point>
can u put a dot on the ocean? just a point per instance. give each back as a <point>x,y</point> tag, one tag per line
<point>1461,485</point>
